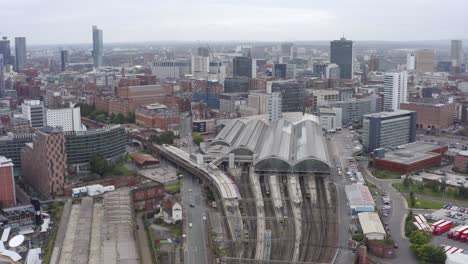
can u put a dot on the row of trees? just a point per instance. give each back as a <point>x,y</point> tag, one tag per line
<point>103,167</point>
<point>101,116</point>
<point>163,138</point>
<point>436,187</point>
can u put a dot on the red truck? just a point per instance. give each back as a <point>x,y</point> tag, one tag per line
<point>442,227</point>
<point>464,236</point>
<point>453,230</point>
<point>457,233</point>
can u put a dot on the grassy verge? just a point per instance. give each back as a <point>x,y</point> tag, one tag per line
<point>424,190</point>
<point>382,174</point>
<point>426,204</point>
<point>173,188</point>
<point>57,208</point>
<point>176,230</point>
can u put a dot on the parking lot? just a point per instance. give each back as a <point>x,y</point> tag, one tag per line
<point>458,216</point>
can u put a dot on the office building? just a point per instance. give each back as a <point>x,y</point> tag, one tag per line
<point>44,163</point>
<point>411,61</point>
<point>65,119</point>
<point>236,85</point>
<point>20,53</point>
<point>244,67</point>
<point>7,183</point>
<point>2,76</point>
<point>374,63</point>
<point>280,70</point>
<point>203,52</point>
<point>287,50</point>
<point>33,110</point>
<point>63,60</point>
<point>341,53</point>
<point>432,116</point>
<point>11,145</point>
<point>354,109</point>
<point>292,94</point>
<point>258,101</point>
<point>171,69</point>
<point>275,108</point>
<point>157,115</point>
<point>330,118</point>
<point>229,102</point>
<point>200,66</point>
<point>388,129</point>
<point>320,69</point>
<point>456,55</point>
<point>98,46</point>
<point>395,90</point>
<point>5,50</point>
<point>425,60</point>
<point>321,97</point>
<point>332,72</point>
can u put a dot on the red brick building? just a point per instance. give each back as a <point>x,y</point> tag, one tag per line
<point>44,163</point>
<point>148,197</point>
<point>7,183</point>
<point>157,115</point>
<point>460,162</point>
<point>434,116</point>
<point>414,157</point>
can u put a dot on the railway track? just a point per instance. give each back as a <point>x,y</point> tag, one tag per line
<point>306,251</point>
<point>272,223</point>
<point>249,209</point>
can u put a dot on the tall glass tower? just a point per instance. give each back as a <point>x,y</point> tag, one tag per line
<point>20,52</point>
<point>97,46</point>
<point>341,53</point>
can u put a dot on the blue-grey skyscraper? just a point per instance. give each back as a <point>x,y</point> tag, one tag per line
<point>97,46</point>
<point>20,53</point>
<point>2,78</point>
<point>341,53</point>
<point>5,50</point>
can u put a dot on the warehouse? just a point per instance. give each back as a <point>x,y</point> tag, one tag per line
<point>371,226</point>
<point>359,198</point>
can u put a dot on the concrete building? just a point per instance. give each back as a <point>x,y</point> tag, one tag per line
<point>292,94</point>
<point>354,109</point>
<point>275,109</point>
<point>229,102</point>
<point>330,118</point>
<point>98,46</point>
<point>258,101</point>
<point>411,61</point>
<point>332,72</point>
<point>7,183</point>
<point>341,53</point>
<point>20,53</point>
<point>200,66</point>
<point>374,63</point>
<point>411,158</point>
<point>395,90</point>
<point>244,67</point>
<point>11,145</point>
<point>157,115</point>
<point>456,55</point>
<point>5,50</point>
<point>425,60</point>
<point>460,162</point>
<point>322,97</point>
<point>44,163</point>
<point>33,110</point>
<point>432,116</point>
<point>171,69</point>
<point>63,59</point>
<point>236,85</point>
<point>67,119</point>
<point>372,226</point>
<point>388,129</point>
<point>359,198</point>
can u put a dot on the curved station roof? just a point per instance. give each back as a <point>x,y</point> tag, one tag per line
<point>294,143</point>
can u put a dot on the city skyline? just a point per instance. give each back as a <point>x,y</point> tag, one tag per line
<point>258,20</point>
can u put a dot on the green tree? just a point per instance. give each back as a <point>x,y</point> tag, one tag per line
<point>406,182</point>
<point>99,165</point>
<point>197,138</point>
<point>112,118</point>
<point>412,198</point>
<point>419,238</point>
<point>131,118</point>
<point>120,119</point>
<point>163,138</point>
<point>430,253</point>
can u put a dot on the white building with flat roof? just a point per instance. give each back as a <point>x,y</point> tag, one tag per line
<point>372,226</point>
<point>395,90</point>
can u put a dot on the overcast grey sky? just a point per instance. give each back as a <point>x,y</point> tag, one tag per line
<point>70,21</point>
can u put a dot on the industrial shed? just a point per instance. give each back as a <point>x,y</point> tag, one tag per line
<point>371,226</point>
<point>359,198</point>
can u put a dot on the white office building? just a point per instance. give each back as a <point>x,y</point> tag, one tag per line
<point>170,69</point>
<point>411,61</point>
<point>330,118</point>
<point>33,110</point>
<point>395,90</point>
<point>68,119</point>
<point>200,66</point>
<point>274,107</point>
<point>332,71</point>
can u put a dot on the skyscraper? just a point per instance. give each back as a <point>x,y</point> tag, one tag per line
<point>6,51</point>
<point>2,78</point>
<point>425,60</point>
<point>341,53</point>
<point>244,67</point>
<point>287,49</point>
<point>395,90</point>
<point>456,55</point>
<point>274,107</point>
<point>411,61</point>
<point>63,59</point>
<point>20,52</point>
<point>97,46</point>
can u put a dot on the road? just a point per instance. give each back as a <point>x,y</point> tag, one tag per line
<point>196,248</point>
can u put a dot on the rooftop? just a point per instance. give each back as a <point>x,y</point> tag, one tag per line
<point>370,223</point>
<point>413,152</point>
<point>359,195</point>
<point>388,114</point>
<point>5,162</point>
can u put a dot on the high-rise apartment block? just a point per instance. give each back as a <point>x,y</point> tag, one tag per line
<point>44,163</point>
<point>388,129</point>
<point>456,55</point>
<point>20,53</point>
<point>411,61</point>
<point>274,107</point>
<point>98,46</point>
<point>341,53</point>
<point>395,89</point>
<point>7,183</point>
<point>425,60</point>
<point>63,60</point>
